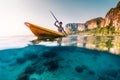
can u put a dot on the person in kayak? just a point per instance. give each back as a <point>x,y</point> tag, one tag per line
<point>60,28</point>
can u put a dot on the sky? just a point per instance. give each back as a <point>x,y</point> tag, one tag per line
<point>13,13</point>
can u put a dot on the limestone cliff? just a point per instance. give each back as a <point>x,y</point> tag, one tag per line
<point>75,27</point>
<point>112,18</point>
<point>94,23</point>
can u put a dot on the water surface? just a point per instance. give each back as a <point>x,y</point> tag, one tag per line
<point>71,58</point>
<point>103,43</point>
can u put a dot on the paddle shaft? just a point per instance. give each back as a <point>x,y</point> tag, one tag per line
<point>57,20</point>
<point>53,16</point>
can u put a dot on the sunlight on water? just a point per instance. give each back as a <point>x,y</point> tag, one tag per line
<point>105,43</point>
<point>14,41</point>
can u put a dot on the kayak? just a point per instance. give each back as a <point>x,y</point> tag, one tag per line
<point>43,33</point>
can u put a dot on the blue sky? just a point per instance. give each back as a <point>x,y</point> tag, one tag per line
<point>15,12</point>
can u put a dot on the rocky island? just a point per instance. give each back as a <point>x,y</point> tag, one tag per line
<point>110,24</point>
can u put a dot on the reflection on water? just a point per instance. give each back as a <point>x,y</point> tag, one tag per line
<point>105,43</point>
<point>59,41</point>
<point>46,42</point>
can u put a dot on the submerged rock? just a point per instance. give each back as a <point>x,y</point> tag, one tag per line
<point>31,56</point>
<point>29,70</point>
<point>40,70</point>
<point>80,69</point>
<point>20,60</point>
<point>49,54</point>
<point>23,76</point>
<point>91,72</point>
<point>51,65</point>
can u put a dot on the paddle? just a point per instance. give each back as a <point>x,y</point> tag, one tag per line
<point>57,21</point>
<point>53,16</point>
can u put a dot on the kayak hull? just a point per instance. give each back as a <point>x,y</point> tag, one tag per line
<point>43,33</point>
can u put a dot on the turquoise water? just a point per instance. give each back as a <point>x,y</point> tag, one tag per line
<point>72,58</point>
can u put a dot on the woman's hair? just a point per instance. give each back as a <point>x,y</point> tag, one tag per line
<point>60,23</point>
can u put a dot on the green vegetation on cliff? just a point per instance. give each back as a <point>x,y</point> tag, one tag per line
<point>104,30</point>
<point>108,30</point>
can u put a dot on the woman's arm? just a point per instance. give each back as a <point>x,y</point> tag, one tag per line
<point>56,24</point>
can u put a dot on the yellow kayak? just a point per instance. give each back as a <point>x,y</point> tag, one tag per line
<point>43,33</point>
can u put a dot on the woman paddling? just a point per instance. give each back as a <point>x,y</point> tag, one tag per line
<point>60,28</point>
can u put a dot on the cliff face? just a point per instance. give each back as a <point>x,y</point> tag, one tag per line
<point>74,27</point>
<point>91,24</point>
<point>94,23</point>
<point>112,18</point>
<point>71,27</point>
